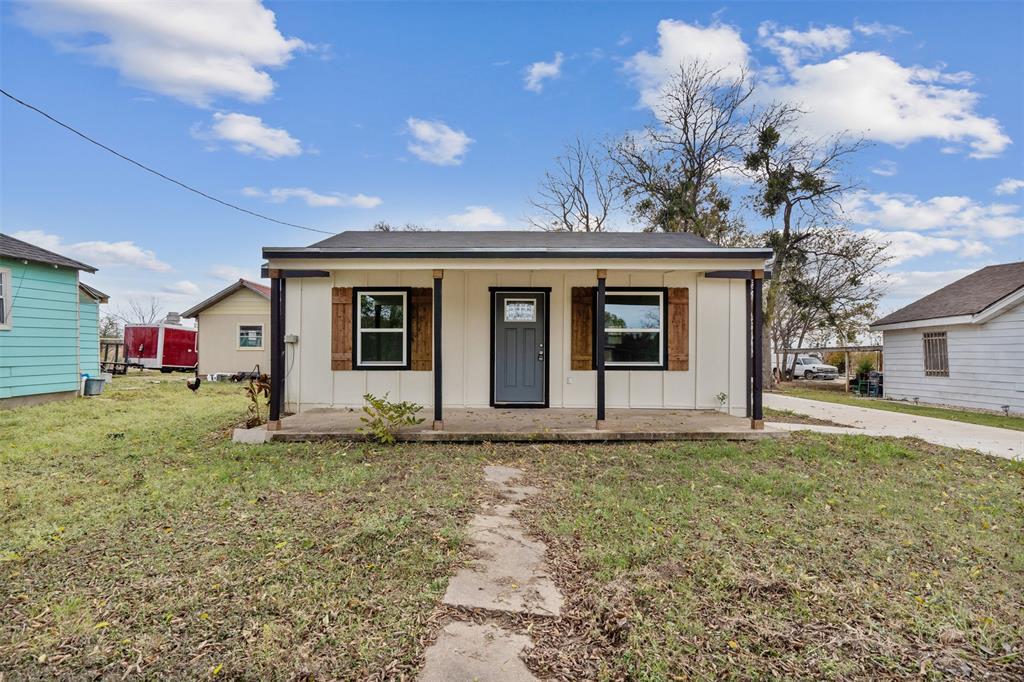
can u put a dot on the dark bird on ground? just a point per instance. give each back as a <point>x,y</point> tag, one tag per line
<point>193,383</point>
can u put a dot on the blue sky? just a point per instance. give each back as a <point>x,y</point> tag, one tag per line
<point>338,115</point>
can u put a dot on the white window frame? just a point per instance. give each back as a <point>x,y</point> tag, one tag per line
<point>7,298</point>
<point>661,327</point>
<point>404,330</point>
<point>238,336</point>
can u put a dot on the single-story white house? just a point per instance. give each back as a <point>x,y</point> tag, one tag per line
<point>510,319</point>
<point>960,345</point>
<point>234,329</point>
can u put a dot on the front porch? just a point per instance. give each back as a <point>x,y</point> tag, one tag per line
<point>530,425</point>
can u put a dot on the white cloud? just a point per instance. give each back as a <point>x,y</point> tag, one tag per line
<point>193,51</point>
<point>949,216</point>
<point>886,169</point>
<point>718,45</point>
<point>792,46</point>
<point>249,135</point>
<point>870,94</point>
<point>860,93</point>
<point>904,245</point>
<point>435,142</point>
<point>184,288</point>
<point>477,218</point>
<point>538,72</point>
<point>98,254</point>
<point>279,195</point>
<point>911,285</point>
<point>1010,186</point>
<point>877,29</point>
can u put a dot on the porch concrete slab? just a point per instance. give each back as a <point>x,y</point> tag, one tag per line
<point>530,425</point>
<point>467,652</point>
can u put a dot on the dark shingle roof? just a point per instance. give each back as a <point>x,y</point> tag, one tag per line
<point>968,296</point>
<point>93,292</point>
<point>17,249</point>
<point>260,289</point>
<point>506,243</point>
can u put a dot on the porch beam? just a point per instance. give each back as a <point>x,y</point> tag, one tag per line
<point>599,344</point>
<point>757,411</point>
<point>291,274</point>
<point>736,274</point>
<point>438,377</point>
<point>277,312</point>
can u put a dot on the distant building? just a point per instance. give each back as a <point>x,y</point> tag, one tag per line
<point>49,323</point>
<point>234,329</point>
<point>960,345</point>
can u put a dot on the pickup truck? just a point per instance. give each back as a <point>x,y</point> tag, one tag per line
<point>809,367</point>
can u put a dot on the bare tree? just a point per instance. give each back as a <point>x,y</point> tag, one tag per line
<point>110,327</point>
<point>577,195</point>
<point>669,172</point>
<point>138,311</point>
<point>799,180</point>
<point>832,291</point>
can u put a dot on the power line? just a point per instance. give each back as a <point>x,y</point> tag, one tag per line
<point>158,173</point>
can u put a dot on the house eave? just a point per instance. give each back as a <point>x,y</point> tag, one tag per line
<point>982,316</point>
<point>514,253</point>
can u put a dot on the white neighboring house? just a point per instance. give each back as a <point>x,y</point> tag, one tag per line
<point>960,345</point>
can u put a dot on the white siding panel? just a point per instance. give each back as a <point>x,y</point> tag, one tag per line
<point>717,344</point>
<point>986,365</point>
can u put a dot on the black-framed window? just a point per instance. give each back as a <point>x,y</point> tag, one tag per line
<point>382,328</point>
<point>634,328</point>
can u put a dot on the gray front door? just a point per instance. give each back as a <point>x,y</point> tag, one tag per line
<point>520,358</point>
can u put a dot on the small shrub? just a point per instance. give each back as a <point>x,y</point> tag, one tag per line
<point>865,366</point>
<point>384,417</point>
<point>260,386</point>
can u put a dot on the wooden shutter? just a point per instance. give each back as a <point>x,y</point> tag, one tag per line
<point>582,357</point>
<point>341,328</point>
<point>421,326</point>
<point>678,329</point>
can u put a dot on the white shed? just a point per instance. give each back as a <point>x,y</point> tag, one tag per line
<point>960,345</point>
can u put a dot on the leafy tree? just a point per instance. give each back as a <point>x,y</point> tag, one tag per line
<point>799,182</point>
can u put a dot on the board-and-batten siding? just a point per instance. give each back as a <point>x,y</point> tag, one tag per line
<point>39,354</point>
<point>717,363</point>
<point>986,364</point>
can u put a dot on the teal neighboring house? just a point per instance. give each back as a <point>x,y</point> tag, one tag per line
<point>49,324</point>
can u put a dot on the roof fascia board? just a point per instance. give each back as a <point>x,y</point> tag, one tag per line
<point>1000,306</point>
<point>663,264</point>
<point>625,253</point>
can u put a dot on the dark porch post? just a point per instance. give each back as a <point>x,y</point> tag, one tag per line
<point>599,344</point>
<point>277,293</point>
<point>750,358</point>
<point>757,412</point>
<point>438,399</point>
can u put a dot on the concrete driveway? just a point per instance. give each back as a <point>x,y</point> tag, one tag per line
<point>866,421</point>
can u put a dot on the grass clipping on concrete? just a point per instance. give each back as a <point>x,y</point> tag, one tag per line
<point>136,540</point>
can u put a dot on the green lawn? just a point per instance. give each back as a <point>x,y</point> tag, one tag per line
<point>136,540</point>
<point>832,396</point>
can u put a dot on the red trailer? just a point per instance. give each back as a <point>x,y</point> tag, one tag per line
<point>165,346</point>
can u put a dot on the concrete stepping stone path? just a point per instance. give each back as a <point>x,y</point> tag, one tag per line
<point>507,574</point>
